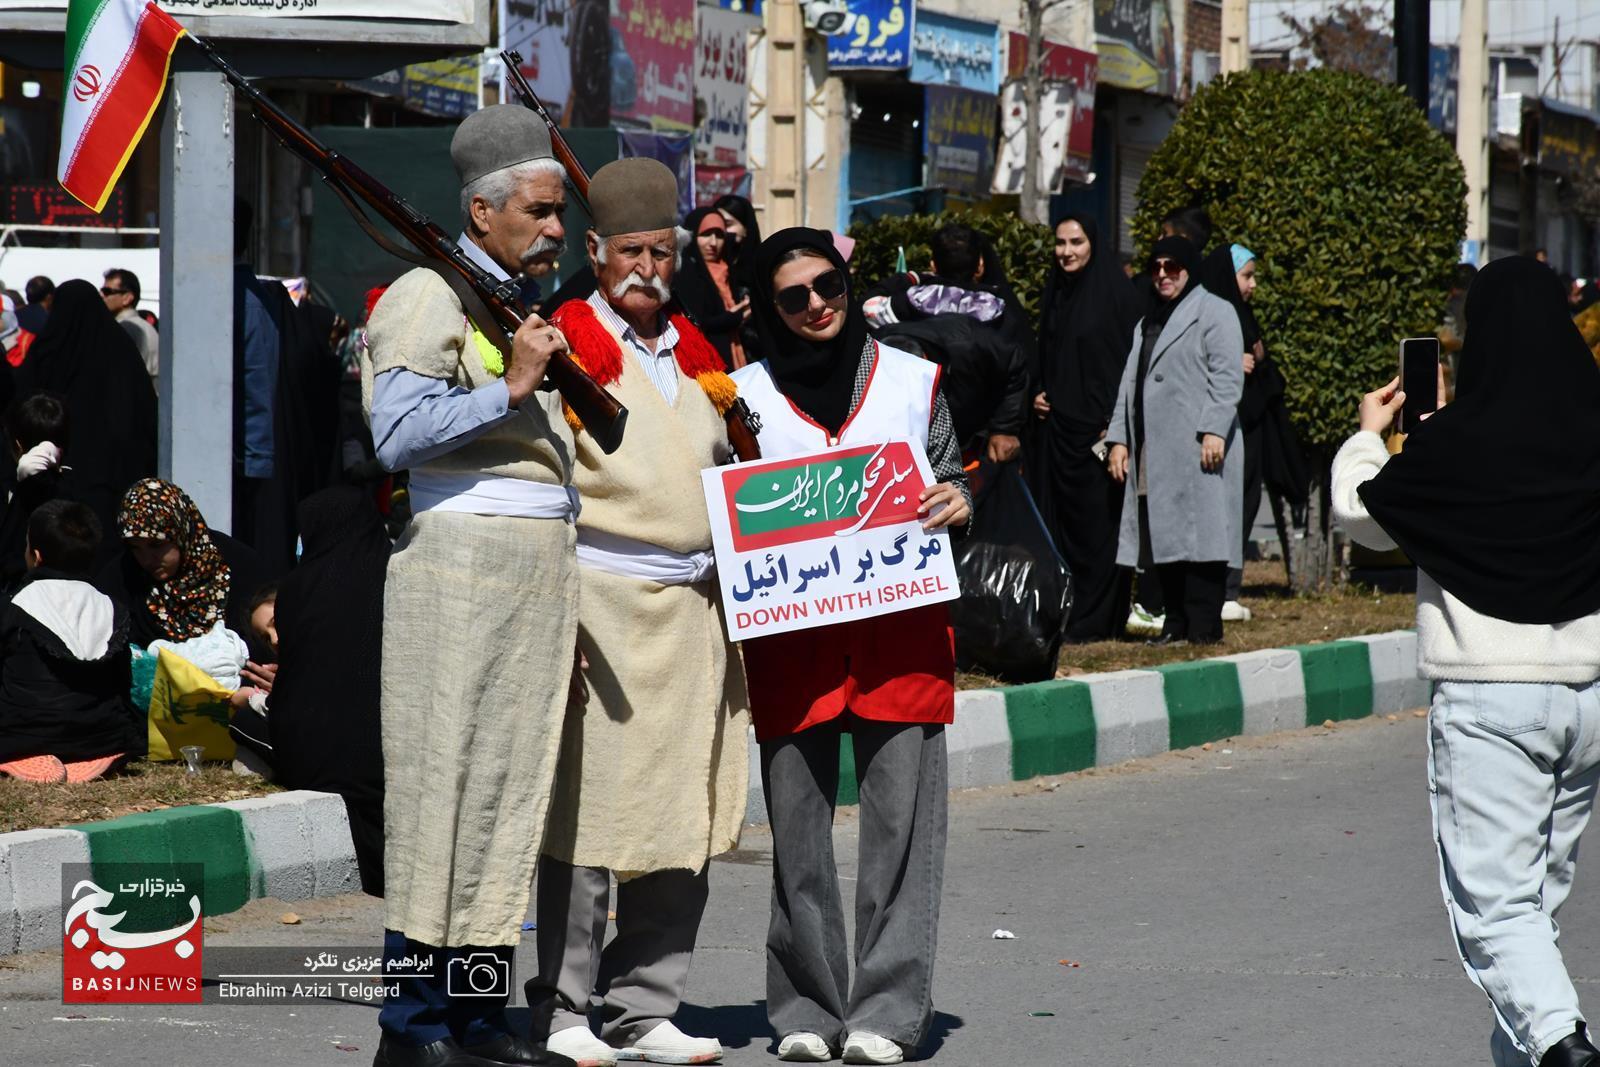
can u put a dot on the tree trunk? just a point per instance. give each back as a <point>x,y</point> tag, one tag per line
<point>1034,206</point>
<point>1313,568</point>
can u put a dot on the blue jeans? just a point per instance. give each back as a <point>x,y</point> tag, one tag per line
<point>1512,773</point>
<point>432,1009</point>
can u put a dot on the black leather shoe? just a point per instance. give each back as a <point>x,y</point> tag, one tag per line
<point>444,1053</point>
<point>518,1052</point>
<point>1574,1050</point>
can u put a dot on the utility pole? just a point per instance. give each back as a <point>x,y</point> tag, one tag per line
<point>1472,118</point>
<point>1235,35</point>
<point>1411,48</point>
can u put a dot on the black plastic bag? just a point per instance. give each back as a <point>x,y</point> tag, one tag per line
<point>1015,588</point>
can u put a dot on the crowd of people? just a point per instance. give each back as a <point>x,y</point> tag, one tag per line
<point>442,599</point>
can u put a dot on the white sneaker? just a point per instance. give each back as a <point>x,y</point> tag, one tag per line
<point>579,1044</point>
<point>862,1047</point>
<point>1233,611</point>
<point>667,1044</point>
<point>804,1048</point>
<point>1143,624</point>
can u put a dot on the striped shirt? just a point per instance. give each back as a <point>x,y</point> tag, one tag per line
<point>661,365</point>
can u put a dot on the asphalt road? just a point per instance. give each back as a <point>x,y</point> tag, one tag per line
<point>1271,901</point>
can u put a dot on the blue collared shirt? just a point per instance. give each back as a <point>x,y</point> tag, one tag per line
<point>416,418</point>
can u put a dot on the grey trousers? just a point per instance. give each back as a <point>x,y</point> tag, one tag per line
<point>902,772</point>
<point>640,976</point>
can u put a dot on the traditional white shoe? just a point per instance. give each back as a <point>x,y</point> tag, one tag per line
<point>1233,611</point>
<point>667,1044</point>
<point>804,1048</point>
<point>579,1044</point>
<point>862,1047</point>
<point>1143,624</point>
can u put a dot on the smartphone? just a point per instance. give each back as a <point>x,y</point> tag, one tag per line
<point>1419,380</point>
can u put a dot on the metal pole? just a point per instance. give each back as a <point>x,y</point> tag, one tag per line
<point>1235,35</point>
<point>1411,48</point>
<point>196,385</point>
<point>1472,120</point>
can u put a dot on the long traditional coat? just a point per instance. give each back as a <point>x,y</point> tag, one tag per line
<point>654,766</point>
<point>1192,387</point>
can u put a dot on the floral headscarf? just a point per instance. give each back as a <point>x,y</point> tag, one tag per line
<point>193,601</point>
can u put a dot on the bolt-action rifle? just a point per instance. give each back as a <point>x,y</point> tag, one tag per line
<point>494,306</point>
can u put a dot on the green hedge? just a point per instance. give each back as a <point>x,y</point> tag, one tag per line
<point>1025,249</point>
<point>1354,204</point>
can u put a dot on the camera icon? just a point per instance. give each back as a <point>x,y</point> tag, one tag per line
<point>481,974</point>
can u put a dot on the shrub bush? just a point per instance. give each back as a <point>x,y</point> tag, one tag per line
<point>1354,205</point>
<point>1025,249</point>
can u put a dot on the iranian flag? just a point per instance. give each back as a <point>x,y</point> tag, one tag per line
<point>115,72</point>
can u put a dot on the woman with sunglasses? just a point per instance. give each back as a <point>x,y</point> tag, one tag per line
<point>704,286</point>
<point>1173,440</point>
<point>888,681</point>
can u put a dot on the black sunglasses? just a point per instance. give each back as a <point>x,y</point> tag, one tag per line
<point>793,299</point>
<point>104,291</point>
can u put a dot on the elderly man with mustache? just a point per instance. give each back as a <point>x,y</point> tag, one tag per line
<point>651,780</point>
<point>480,610</point>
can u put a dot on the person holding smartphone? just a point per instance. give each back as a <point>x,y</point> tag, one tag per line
<point>1507,546</point>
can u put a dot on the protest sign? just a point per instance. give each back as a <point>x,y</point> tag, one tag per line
<point>821,539</point>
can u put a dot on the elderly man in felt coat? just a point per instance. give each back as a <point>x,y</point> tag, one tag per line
<point>651,782</point>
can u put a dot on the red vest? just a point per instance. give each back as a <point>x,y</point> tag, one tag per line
<point>893,668</point>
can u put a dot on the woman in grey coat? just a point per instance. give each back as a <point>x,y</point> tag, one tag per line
<point>1174,444</point>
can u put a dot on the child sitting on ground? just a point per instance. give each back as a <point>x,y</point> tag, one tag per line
<point>65,714</point>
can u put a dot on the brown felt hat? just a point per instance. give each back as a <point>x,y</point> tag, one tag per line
<point>497,137</point>
<point>633,195</point>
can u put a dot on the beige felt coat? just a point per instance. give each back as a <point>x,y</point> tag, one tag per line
<point>653,767</point>
<point>480,619</point>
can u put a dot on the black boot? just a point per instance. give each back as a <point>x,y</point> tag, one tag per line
<point>518,1052</point>
<point>1574,1050</point>
<point>446,1053</point>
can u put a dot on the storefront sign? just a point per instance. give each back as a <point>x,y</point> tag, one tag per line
<point>1569,142</point>
<point>713,182</point>
<point>657,39</point>
<point>721,85</point>
<point>949,51</point>
<point>1077,71</point>
<point>545,33</point>
<point>459,11</point>
<point>447,88</point>
<point>1134,39</point>
<point>958,139</point>
<point>876,36</point>
<point>818,540</point>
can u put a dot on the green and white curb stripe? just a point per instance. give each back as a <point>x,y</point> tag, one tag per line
<point>291,846</point>
<point>1097,720</point>
<point>294,846</point>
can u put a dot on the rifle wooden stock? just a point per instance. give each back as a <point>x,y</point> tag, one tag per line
<point>602,416</point>
<point>742,425</point>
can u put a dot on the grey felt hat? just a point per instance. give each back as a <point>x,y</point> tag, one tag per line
<point>497,137</point>
<point>634,195</point>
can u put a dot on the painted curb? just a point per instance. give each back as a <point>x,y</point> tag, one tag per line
<point>292,846</point>
<point>296,845</point>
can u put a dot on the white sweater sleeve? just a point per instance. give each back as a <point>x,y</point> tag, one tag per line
<point>1358,461</point>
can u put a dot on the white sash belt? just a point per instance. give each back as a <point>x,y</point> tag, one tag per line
<point>627,558</point>
<point>478,494</point>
